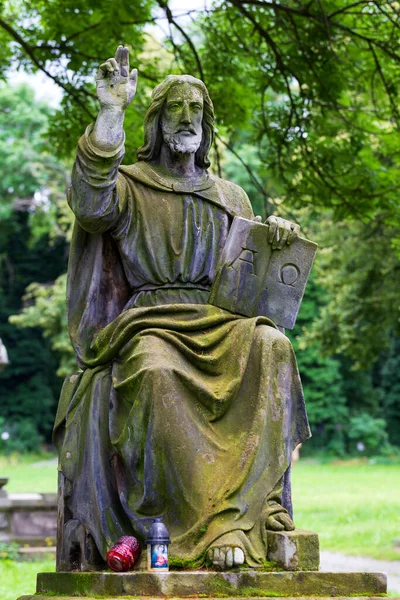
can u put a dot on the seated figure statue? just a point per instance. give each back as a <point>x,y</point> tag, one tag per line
<point>182,410</point>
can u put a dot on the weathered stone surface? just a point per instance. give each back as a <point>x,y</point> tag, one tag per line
<point>35,523</point>
<point>28,519</point>
<point>239,584</point>
<point>36,597</point>
<point>187,407</point>
<point>294,550</point>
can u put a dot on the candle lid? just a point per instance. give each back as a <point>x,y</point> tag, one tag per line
<point>158,533</point>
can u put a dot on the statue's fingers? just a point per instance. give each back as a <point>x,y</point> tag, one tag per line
<point>118,55</point>
<point>125,62</point>
<point>277,241</point>
<point>273,226</point>
<point>285,233</point>
<point>295,230</point>
<point>114,64</point>
<point>274,524</point>
<point>286,521</point>
<point>275,235</point>
<point>104,69</point>
<point>133,76</point>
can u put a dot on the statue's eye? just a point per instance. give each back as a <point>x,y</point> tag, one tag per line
<point>174,106</point>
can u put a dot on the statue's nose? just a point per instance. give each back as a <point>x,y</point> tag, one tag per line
<point>185,114</point>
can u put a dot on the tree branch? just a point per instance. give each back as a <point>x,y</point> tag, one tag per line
<point>29,51</point>
<point>316,17</point>
<point>386,85</point>
<point>246,166</point>
<point>164,5</point>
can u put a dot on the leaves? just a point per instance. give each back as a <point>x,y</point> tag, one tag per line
<point>45,308</point>
<point>305,95</point>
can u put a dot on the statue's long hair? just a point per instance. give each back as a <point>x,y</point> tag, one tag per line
<point>152,127</point>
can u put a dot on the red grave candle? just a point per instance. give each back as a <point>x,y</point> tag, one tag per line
<point>124,554</point>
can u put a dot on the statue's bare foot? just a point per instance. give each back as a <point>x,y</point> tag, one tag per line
<point>226,557</point>
<point>279,521</point>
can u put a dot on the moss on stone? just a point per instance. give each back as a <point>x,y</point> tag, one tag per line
<point>177,563</point>
<point>248,583</point>
<point>220,588</point>
<point>253,592</point>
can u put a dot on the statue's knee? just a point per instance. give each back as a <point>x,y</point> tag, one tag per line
<point>157,372</point>
<point>264,334</point>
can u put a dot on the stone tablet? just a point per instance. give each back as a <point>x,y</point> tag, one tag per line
<point>253,279</point>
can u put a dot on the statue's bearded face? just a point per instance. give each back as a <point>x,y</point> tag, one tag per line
<point>181,120</point>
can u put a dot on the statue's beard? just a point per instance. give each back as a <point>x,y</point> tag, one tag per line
<point>180,145</point>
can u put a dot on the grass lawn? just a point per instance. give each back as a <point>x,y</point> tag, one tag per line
<point>17,579</point>
<point>29,473</point>
<point>354,507</point>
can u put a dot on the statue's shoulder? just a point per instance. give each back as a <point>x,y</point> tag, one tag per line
<point>138,171</point>
<point>234,196</point>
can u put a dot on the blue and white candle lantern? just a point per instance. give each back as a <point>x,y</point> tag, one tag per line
<point>157,547</point>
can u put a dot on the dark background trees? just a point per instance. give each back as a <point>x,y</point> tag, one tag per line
<point>305,95</point>
<point>32,182</point>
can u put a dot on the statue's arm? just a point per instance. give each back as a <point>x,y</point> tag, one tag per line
<point>95,195</point>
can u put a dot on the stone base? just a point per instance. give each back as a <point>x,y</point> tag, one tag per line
<point>211,584</point>
<point>208,598</point>
<point>296,550</point>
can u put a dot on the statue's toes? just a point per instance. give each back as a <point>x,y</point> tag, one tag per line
<point>226,557</point>
<point>229,558</point>
<point>238,557</point>
<point>218,557</point>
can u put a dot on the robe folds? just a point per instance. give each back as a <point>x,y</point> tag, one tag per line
<point>182,409</point>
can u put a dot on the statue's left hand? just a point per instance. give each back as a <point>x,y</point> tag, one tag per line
<point>279,522</point>
<point>281,232</point>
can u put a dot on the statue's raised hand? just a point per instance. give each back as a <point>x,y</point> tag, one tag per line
<point>116,87</point>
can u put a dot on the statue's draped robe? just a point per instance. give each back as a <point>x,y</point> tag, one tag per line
<point>183,410</point>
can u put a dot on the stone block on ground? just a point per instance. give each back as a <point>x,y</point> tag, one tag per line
<point>296,550</point>
<point>211,584</point>
<point>208,598</point>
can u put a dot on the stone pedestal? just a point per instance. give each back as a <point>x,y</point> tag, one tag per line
<point>242,583</point>
<point>296,550</point>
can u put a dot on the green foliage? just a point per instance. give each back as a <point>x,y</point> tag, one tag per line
<point>22,436</point>
<point>322,381</point>
<point>9,551</point>
<point>46,308</point>
<point>29,387</point>
<point>389,373</point>
<point>344,372</point>
<point>17,579</point>
<point>359,271</point>
<point>312,84</point>
<point>32,248</point>
<point>299,81</point>
<point>370,433</point>
<point>31,173</point>
<point>305,95</point>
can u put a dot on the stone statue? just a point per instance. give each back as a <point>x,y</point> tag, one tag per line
<point>182,410</point>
